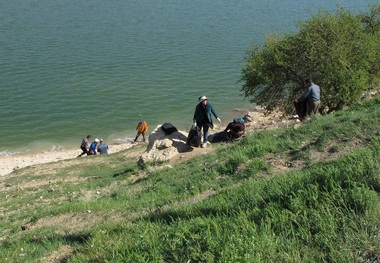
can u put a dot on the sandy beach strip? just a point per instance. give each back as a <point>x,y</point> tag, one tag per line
<point>13,162</point>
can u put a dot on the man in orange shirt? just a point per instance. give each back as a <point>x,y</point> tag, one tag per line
<point>141,128</point>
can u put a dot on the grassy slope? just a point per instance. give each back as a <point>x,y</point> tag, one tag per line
<point>289,195</point>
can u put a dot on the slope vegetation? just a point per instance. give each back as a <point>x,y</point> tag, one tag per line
<point>308,193</point>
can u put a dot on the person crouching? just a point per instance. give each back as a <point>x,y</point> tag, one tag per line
<point>235,129</point>
<point>93,147</point>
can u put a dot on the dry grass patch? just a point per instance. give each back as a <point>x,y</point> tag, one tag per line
<point>59,255</point>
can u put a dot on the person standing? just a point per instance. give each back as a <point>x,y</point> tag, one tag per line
<point>93,147</point>
<point>309,102</point>
<point>141,128</point>
<point>85,145</point>
<point>103,147</point>
<point>202,117</point>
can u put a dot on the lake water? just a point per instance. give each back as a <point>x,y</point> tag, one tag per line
<point>70,68</point>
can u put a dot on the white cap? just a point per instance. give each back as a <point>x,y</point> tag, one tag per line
<point>202,98</point>
<point>97,140</point>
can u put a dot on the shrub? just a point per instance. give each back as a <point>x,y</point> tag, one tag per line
<point>339,51</point>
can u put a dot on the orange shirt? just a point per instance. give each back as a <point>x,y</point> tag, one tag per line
<point>142,127</point>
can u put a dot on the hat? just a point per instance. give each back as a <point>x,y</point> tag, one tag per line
<point>238,120</point>
<point>97,140</point>
<point>101,140</point>
<point>202,98</point>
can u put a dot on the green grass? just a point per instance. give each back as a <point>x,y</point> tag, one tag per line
<point>239,203</point>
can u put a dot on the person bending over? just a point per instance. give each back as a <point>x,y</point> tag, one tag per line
<point>309,102</point>
<point>93,147</point>
<point>141,128</point>
<point>235,129</point>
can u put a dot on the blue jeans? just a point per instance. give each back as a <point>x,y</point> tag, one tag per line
<point>206,127</point>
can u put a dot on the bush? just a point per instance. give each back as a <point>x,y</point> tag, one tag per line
<point>339,51</point>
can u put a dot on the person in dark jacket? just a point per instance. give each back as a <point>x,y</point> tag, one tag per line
<point>235,129</point>
<point>202,117</point>
<point>85,145</point>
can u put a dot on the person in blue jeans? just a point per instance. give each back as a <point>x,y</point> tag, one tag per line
<point>202,117</point>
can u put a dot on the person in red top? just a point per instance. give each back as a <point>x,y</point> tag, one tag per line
<point>141,128</point>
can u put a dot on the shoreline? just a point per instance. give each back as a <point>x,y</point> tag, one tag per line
<point>10,163</point>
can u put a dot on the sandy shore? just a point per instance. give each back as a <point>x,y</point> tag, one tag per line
<point>14,162</point>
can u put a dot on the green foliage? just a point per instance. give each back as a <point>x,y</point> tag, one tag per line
<point>339,51</point>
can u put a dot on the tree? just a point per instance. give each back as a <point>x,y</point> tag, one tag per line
<point>340,51</point>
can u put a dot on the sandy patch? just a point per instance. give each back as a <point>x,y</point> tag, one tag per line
<point>10,163</point>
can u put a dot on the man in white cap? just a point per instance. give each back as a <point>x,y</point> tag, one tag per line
<point>93,147</point>
<point>202,117</point>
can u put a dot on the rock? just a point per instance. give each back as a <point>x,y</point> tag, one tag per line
<point>251,116</point>
<point>163,147</point>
